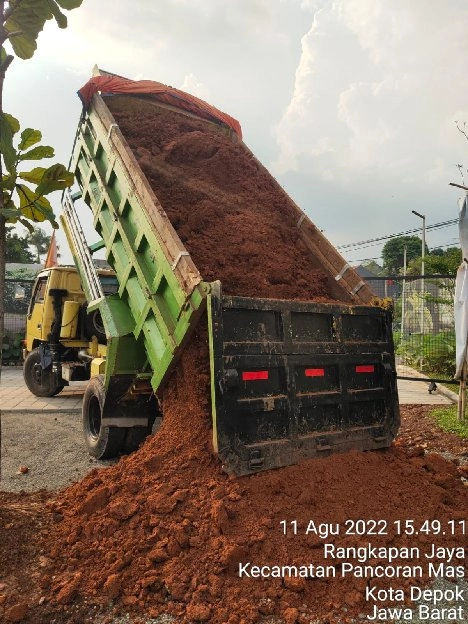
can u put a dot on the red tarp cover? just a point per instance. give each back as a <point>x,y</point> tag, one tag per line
<point>161,92</point>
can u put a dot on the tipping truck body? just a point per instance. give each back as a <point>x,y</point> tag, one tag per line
<point>289,379</point>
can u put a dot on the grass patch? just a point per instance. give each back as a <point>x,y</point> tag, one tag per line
<point>446,418</point>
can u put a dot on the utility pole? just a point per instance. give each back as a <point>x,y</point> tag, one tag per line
<point>403,296</point>
<point>423,251</point>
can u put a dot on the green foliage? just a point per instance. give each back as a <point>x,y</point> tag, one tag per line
<point>446,418</point>
<point>373,267</point>
<point>441,263</point>
<point>12,347</point>
<point>26,19</point>
<point>431,354</point>
<point>23,20</point>
<point>22,202</point>
<point>17,248</point>
<point>40,241</point>
<point>393,253</point>
<point>22,273</point>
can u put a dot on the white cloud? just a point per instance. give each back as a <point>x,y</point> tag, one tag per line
<point>192,85</point>
<point>377,88</point>
<point>351,99</point>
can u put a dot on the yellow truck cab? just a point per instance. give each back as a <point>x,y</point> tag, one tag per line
<point>62,338</point>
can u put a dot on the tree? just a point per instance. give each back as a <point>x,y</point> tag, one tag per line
<point>23,193</point>
<point>22,21</point>
<point>373,267</point>
<point>393,253</point>
<point>439,262</point>
<point>40,241</point>
<point>17,247</point>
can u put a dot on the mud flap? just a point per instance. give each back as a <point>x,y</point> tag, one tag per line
<point>294,380</point>
<point>125,408</point>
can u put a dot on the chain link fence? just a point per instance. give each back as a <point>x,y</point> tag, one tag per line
<point>423,324</point>
<point>17,297</point>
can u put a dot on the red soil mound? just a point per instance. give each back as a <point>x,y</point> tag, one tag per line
<point>233,217</point>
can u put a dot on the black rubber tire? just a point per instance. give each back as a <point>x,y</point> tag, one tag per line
<point>102,442</point>
<point>95,327</point>
<point>40,382</point>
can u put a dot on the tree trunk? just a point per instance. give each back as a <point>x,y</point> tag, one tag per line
<point>2,235</point>
<point>2,310</point>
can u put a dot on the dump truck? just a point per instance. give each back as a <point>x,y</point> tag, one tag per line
<point>294,376</point>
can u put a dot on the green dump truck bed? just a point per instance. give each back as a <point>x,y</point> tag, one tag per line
<point>290,378</point>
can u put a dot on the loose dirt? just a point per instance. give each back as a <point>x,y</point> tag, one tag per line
<point>232,216</point>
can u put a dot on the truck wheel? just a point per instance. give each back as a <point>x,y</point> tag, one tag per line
<point>102,442</point>
<point>39,381</point>
<point>95,327</point>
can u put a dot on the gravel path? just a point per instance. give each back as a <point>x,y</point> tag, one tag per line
<point>43,450</point>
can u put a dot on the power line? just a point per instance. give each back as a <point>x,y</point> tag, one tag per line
<point>366,259</point>
<point>361,244</point>
<point>455,243</point>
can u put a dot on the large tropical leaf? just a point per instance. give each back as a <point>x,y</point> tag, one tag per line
<point>33,206</point>
<point>9,181</point>
<point>27,19</point>
<point>7,151</point>
<point>29,137</point>
<point>38,153</point>
<point>55,178</point>
<point>34,176</point>
<point>12,122</point>
<point>10,211</point>
<point>69,4</point>
<point>60,18</point>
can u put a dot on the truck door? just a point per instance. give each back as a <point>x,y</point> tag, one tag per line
<point>35,323</point>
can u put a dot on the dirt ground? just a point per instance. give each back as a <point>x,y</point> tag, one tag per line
<point>36,586</point>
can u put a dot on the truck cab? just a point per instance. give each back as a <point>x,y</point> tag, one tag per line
<point>59,326</point>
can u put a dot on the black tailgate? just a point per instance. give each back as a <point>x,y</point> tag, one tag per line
<point>293,380</point>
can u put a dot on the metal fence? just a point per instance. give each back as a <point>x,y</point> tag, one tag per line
<point>424,323</point>
<point>17,297</point>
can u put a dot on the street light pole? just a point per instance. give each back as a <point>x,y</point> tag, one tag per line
<point>423,251</point>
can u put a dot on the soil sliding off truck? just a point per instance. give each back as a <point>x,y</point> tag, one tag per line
<point>289,379</point>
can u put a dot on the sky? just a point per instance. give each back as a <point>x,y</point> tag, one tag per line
<point>355,106</point>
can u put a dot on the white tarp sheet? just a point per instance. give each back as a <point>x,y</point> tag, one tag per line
<point>461,291</point>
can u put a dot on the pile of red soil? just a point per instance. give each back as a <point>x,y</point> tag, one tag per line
<point>235,220</point>
<point>164,530</point>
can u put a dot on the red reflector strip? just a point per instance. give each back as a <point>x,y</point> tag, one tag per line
<point>315,372</point>
<point>367,368</point>
<point>254,375</point>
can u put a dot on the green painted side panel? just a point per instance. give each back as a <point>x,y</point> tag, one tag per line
<point>148,321</point>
